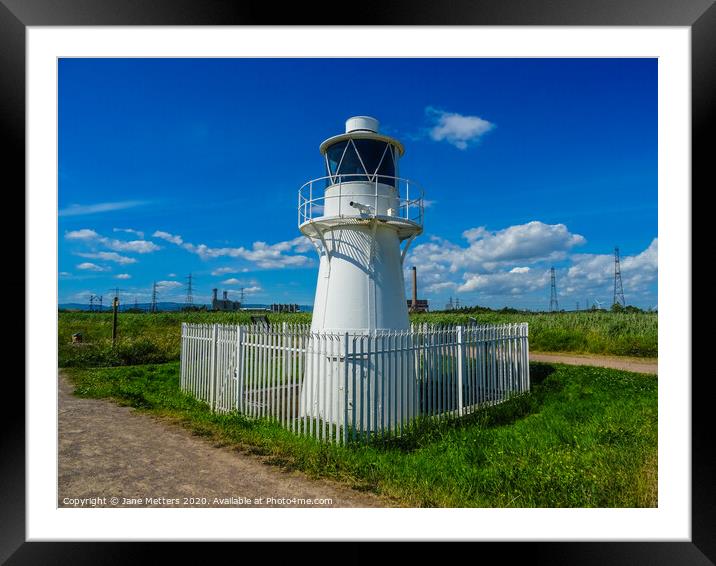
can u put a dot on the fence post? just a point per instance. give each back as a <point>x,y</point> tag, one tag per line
<point>460,356</point>
<point>212,367</point>
<point>283,379</point>
<point>240,368</point>
<point>182,358</point>
<point>345,390</point>
<point>527,352</point>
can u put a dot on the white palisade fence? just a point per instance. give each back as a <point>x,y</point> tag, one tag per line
<point>352,386</point>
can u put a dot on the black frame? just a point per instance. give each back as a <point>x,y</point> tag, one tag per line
<point>699,15</point>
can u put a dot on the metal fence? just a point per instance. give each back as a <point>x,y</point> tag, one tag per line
<point>352,386</point>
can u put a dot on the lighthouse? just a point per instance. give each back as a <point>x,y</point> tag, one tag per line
<point>361,216</point>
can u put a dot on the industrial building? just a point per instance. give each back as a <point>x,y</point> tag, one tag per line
<point>415,304</point>
<point>281,307</point>
<point>225,304</point>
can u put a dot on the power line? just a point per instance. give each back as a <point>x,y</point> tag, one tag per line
<point>618,289</point>
<point>95,301</point>
<point>154,297</point>
<point>189,292</point>
<point>553,304</point>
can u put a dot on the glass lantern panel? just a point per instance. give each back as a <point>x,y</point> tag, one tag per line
<point>334,153</point>
<point>386,172</point>
<point>351,168</point>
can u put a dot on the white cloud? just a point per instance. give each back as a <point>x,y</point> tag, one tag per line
<point>84,234</point>
<point>247,283</point>
<point>171,275</point>
<point>484,276</point>
<point>123,276</point>
<point>512,265</point>
<point>87,266</point>
<point>250,287</point>
<point>174,239</point>
<point>505,283</point>
<point>441,286</point>
<point>456,129</point>
<point>488,251</point>
<point>263,255</point>
<point>93,238</point>
<point>64,274</point>
<point>82,209</point>
<point>108,256</point>
<point>136,246</point>
<point>594,273</point>
<point>224,270</point>
<point>138,233</point>
<point>168,284</point>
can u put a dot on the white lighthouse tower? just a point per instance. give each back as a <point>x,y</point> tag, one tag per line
<point>357,215</point>
<point>361,217</point>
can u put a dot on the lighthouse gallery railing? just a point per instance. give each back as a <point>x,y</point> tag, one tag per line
<point>312,199</point>
<point>373,384</point>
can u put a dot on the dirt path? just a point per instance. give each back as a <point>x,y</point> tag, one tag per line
<point>639,365</point>
<point>106,451</point>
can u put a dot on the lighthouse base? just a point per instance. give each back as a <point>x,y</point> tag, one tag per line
<point>368,381</point>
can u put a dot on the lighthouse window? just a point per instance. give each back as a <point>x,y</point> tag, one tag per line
<point>377,159</point>
<point>350,160</point>
<point>386,170</point>
<point>351,168</point>
<point>334,154</point>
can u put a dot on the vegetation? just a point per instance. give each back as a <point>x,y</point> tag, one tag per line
<point>155,338</point>
<point>584,437</point>
<point>594,332</point>
<point>141,338</point>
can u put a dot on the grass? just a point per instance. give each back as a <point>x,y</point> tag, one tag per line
<point>155,338</point>
<point>584,437</point>
<point>589,332</point>
<point>142,338</point>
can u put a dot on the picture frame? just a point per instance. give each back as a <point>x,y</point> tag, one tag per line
<point>699,15</point>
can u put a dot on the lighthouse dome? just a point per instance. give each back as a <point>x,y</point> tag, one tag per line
<point>362,124</point>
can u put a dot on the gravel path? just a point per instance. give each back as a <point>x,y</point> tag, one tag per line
<point>638,365</point>
<point>108,451</point>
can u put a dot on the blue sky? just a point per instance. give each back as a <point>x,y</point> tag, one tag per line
<point>176,166</point>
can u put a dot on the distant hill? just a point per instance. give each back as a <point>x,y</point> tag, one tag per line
<point>163,307</point>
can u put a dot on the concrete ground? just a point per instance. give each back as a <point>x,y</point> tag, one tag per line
<point>108,451</point>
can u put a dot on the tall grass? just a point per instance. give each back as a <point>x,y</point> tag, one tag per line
<point>622,334</point>
<point>155,338</point>
<point>141,338</point>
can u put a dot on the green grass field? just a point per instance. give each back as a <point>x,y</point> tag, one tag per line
<point>584,437</point>
<point>155,338</point>
<point>592,332</point>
